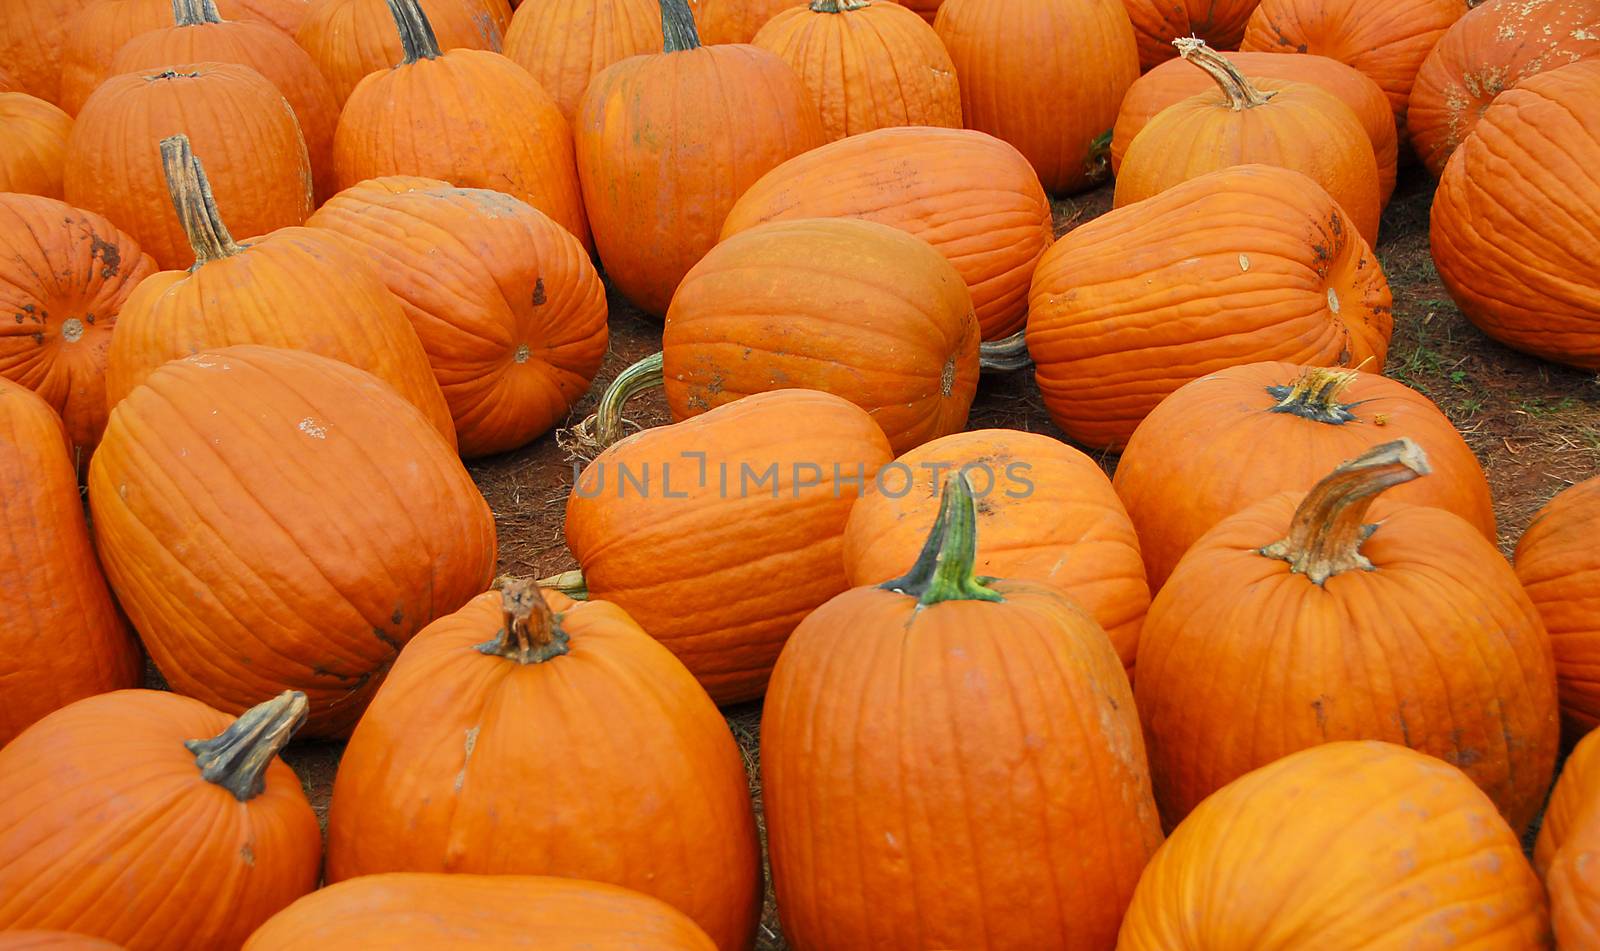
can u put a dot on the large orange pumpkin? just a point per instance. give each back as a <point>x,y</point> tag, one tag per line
<point>564,43</point>
<point>53,941</point>
<point>34,146</point>
<point>154,821</point>
<point>234,116</point>
<point>1045,76</point>
<point>1573,799</point>
<point>510,311</point>
<point>953,763</point>
<point>61,637</point>
<point>1573,880</point>
<point>1515,228</point>
<point>1156,23</point>
<point>722,22</point>
<point>720,533</point>
<point>33,39</point>
<point>650,795</point>
<point>1231,438</point>
<point>667,142</point>
<point>294,287</point>
<point>64,276</point>
<point>1344,845</point>
<point>1559,565</point>
<point>336,523</point>
<point>1245,264</point>
<point>93,38</point>
<point>1294,622</point>
<point>351,39</point>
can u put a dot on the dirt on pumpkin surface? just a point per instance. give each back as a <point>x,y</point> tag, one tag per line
<point>1534,426</point>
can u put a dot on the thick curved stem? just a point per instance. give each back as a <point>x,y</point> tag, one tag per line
<point>531,633</point>
<point>1241,93</point>
<point>195,12</point>
<point>605,427</point>
<point>416,33</point>
<point>943,571</point>
<point>678,32</point>
<point>1328,528</point>
<point>194,203</point>
<point>1315,396</point>
<point>1007,353</point>
<point>237,758</point>
<point>570,583</point>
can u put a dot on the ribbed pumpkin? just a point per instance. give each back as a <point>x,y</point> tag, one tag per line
<point>61,638</point>
<point>512,138</point>
<point>1559,565</point>
<point>52,941</point>
<point>722,22</point>
<point>294,288</point>
<point>200,35</point>
<point>669,141</point>
<point>417,911</point>
<point>1156,23</point>
<point>1573,799</point>
<point>564,43</point>
<point>234,117</point>
<point>1174,81</point>
<point>509,309</point>
<point>1045,513</point>
<point>1345,845</point>
<point>34,145</point>
<point>1573,880</point>
<point>870,64</point>
<point>33,40</point>
<point>337,524</point>
<point>720,563</point>
<point>1294,622</point>
<point>1297,126</point>
<point>1231,438</point>
<point>93,37</point>
<point>651,794</point>
<point>154,821</point>
<point>1515,228</point>
<point>1045,76</point>
<point>855,308</point>
<point>351,39</point>
<point>1249,263</point>
<point>64,276</point>
<point>953,763</point>
<point>286,15</point>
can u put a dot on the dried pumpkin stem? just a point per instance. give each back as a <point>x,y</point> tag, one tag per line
<point>944,569</point>
<point>838,6</point>
<point>237,758</point>
<point>195,12</point>
<point>678,32</point>
<point>194,203</point>
<point>1315,395</point>
<point>416,33</point>
<point>1241,93</point>
<point>531,633</point>
<point>1007,353</point>
<point>606,426</point>
<point>1328,528</point>
<point>570,583</point>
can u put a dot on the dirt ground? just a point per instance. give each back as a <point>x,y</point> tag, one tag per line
<point>1535,427</point>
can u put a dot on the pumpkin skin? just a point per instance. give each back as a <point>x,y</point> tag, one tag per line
<point>676,821</point>
<point>1571,801</point>
<point>1017,85</point>
<point>1344,845</point>
<point>350,39</point>
<point>891,738</point>
<point>1231,438</point>
<point>34,147</point>
<point>721,577</point>
<point>1574,891</point>
<point>509,309</point>
<point>52,941</point>
<point>33,39</point>
<point>970,195</point>
<point>1515,228</point>
<point>66,274</point>
<point>61,638</point>
<point>564,43</point>
<point>93,38</point>
<point>1558,565</point>
<point>267,603</point>
<point>1156,24</point>
<point>286,15</point>
<point>1435,646</point>
<point>103,800</point>
<point>234,116</point>
<point>724,22</point>
<point>1255,263</point>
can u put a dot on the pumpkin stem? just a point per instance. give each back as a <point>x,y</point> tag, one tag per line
<point>570,583</point>
<point>195,12</point>
<point>1326,534</point>
<point>599,431</point>
<point>838,6</point>
<point>678,31</point>
<point>943,571</point>
<point>1241,93</point>
<point>532,633</point>
<point>192,199</point>
<point>416,33</point>
<point>1315,395</point>
<point>237,758</point>
<point>1007,353</point>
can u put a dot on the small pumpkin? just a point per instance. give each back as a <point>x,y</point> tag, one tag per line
<point>183,813</point>
<point>1560,568</point>
<point>52,941</point>
<point>1572,800</point>
<point>34,146</point>
<point>724,22</point>
<point>1156,24</point>
<point>1244,264</point>
<point>33,39</point>
<point>351,39</point>
<point>564,43</point>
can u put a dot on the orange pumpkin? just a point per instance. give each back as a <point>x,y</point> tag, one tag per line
<point>295,288</point>
<point>953,763</point>
<point>1515,228</point>
<point>34,146</point>
<point>869,65</point>
<point>154,821</point>
<point>1231,438</point>
<point>564,43</point>
<point>1574,885</point>
<point>64,276</point>
<point>1045,76</point>
<point>1157,23</point>
<point>436,777</point>
<point>1245,264</point>
<point>1297,126</point>
<point>512,139</point>
<point>509,309</point>
<point>1560,568</point>
<point>93,37</point>
<point>262,600</point>
<point>286,15</point>
<point>235,117</point>
<point>33,39</point>
<point>720,563</point>
<point>1294,623</point>
<point>667,142</point>
<point>1344,845</point>
<point>52,941</point>
<point>1571,801</point>
<point>723,22</point>
<point>351,39</point>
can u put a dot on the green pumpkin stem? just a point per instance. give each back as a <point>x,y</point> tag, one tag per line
<point>194,203</point>
<point>237,758</point>
<point>944,569</point>
<point>606,425</point>
<point>1329,525</point>
<point>1315,395</point>
<point>570,583</point>
<point>531,633</point>
<point>195,12</point>
<point>678,32</point>
<point>1007,353</point>
<point>1241,93</point>
<point>416,33</point>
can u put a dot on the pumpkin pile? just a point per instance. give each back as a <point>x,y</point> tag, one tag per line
<point>986,519</point>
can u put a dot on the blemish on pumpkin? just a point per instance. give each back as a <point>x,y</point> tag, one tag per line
<point>383,635</point>
<point>472,743</point>
<point>538,291</point>
<point>1381,419</point>
<point>398,615</point>
<point>1244,263</point>
<point>947,377</point>
<point>1319,706</point>
<point>311,427</point>
<point>109,254</point>
<point>248,854</point>
<point>522,354</point>
<point>38,338</point>
<point>72,330</point>
<point>1333,301</point>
